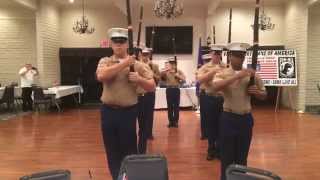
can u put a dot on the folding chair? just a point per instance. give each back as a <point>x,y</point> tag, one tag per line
<point>17,98</point>
<point>239,172</point>
<point>49,175</point>
<point>8,97</point>
<point>40,98</point>
<point>144,167</point>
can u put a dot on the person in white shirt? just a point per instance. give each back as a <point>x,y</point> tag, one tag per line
<point>27,74</point>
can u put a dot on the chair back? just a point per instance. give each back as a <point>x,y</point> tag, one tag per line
<point>8,95</point>
<point>14,84</point>
<point>49,175</point>
<point>38,93</point>
<point>239,172</point>
<point>144,167</point>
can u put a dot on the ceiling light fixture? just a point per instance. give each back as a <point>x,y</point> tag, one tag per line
<point>82,26</point>
<point>168,9</point>
<point>265,21</point>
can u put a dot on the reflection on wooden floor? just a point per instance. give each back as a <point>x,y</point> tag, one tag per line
<point>285,143</point>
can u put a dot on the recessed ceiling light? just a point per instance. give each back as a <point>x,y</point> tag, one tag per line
<point>71,1</point>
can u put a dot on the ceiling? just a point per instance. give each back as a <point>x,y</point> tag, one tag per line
<point>185,2</point>
<point>190,3</point>
<point>86,2</point>
<point>106,2</point>
<point>253,1</point>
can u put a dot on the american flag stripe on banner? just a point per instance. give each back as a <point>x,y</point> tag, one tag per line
<point>267,70</point>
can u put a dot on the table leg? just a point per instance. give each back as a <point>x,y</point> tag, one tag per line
<point>75,99</point>
<point>54,100</point>
<point>58,106</point>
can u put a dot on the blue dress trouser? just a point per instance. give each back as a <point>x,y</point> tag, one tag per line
<point>142,121</point>
<point>203,122</point>
<point>118,127</point>
<point>150,98</point>
<point>145,119</point>
<point>173,103</point>
<point>235,139</point>
<point>213,110</point>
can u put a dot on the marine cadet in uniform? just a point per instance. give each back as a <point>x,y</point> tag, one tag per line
<point>173,78</point>
<point>150,97</point>
<point>162,83</point>
<point>236,121</point>
<point>204,135</point>
<point>119,98</point>
<point>211,100</point>
<point>142,132</point>
<point>146,102</point>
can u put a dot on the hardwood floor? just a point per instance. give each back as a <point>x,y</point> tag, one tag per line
<point>285,143</point>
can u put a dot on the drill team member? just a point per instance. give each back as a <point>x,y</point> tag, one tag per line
<point>204,135</point>
<point>146,102</point>
<point>173,78</point>
<point>211,100</point>
<point>119,98</point>
<point>150,97</point>
<point>236,121</point>
<point>142,120</point>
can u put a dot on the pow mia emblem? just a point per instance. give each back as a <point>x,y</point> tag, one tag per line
<point>287,67</point>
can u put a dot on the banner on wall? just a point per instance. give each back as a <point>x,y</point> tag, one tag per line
<point>276,67</point>
<point>104,43</point>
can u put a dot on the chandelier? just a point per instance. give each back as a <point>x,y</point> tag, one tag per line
<point>81,26</point>
<point>168,9</point>
<point>265,21</point>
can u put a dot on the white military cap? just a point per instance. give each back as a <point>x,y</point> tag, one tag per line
<point>146,50</point>
<point>141,45</point>
<point>242,47</point>
<point>118,33</point>
<point>170,58</point>
<point>217,47</point>
<point>206,56</point>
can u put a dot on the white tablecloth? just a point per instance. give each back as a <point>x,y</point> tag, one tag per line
<point>61,91</point>
<point>17,91</point>
<point>188,98</point>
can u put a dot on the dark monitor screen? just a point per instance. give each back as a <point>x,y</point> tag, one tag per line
<point>163,39</point>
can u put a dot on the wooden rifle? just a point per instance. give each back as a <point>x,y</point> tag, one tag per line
<point>214,34</point>
<point>230,25</point>
<point>152,42</point>
<point>130,33</point>
<point>175,52</point>
<point>140,24</point>
<point>229,34</point>
<point>255,41</point>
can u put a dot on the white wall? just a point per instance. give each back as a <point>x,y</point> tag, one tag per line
<point>296,37</point>
<point>101,18</point>
<point>18,42</point>
<point>48,42</point>
<point>243,17</point>
<point>313,69</point>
